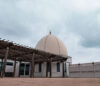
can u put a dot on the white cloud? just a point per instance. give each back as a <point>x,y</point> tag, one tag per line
<point>75,22</point>
<point>98,19</point>
<point>84,6</point>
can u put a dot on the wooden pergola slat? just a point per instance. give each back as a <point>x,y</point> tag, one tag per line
<point>22,53</point>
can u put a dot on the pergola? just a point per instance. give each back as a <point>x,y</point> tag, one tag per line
<point>15,52</point>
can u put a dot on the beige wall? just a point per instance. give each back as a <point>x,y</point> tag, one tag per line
<point>85,70</point>
<point>43,73</point>
<point>37,73</point>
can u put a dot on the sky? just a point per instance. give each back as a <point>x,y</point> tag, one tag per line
<point>75,22</point>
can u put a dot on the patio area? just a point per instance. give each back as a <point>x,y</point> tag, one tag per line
<point>50,82</point>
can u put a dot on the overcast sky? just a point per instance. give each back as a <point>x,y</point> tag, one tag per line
<point>75,22</point>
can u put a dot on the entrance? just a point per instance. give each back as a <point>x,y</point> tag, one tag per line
<point>48,70</point>
<point>24,69</point>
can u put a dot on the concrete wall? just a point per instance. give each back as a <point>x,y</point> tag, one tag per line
<point>54,70</point>
<point>88,70</point>
<point>43,73</point>
<point>37,73</point>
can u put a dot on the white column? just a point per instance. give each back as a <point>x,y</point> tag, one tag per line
<point>67,69</point>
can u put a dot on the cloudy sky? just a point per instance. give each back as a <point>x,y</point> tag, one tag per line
<point>75,22</point>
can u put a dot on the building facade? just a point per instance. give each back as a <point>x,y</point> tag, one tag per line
<point>51,44</point>
<point>59,68</point>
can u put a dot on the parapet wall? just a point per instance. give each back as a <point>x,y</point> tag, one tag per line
<point>86,70</point>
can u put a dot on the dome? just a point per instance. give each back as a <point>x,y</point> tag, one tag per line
<point>52,44</point>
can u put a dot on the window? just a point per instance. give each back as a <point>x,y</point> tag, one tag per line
<point>0,65</point>
<point>9,63</point>
<point>40,67</point>
<point>22,67</point>
<point>27,69</point>
<point>48,67</point>
<point>58,67</point>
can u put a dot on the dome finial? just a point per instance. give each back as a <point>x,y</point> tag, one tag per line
<point>50,32</point>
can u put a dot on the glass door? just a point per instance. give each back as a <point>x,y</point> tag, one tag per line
<point>24,69</point>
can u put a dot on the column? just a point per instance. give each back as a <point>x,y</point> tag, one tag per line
<point>93,69</point>
<point>79,70</point>
<point>67,69</point>
<point>4,63</point>
<point>32,66</point>
<point>46,69</point>
<point>19,68</point>
<point>14,68</point>
<point>62,69</point>
<point>50,68</point>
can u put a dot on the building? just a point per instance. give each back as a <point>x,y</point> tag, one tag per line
<point>52,44</point>
<point>48,59</point>
<point>49,63</point>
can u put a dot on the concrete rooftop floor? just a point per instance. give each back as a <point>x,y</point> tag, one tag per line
<point>49,81</point>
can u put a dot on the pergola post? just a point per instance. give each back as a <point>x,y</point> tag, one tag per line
<point>46,69</point>
<point>50,68</point>
<point>14,68</point>
<point>32,66</point>
<point>4,63</point>
<point>63,69</point>
<point>19,68</point>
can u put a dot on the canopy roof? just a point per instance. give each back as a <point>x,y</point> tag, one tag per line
<point>23,53</point>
